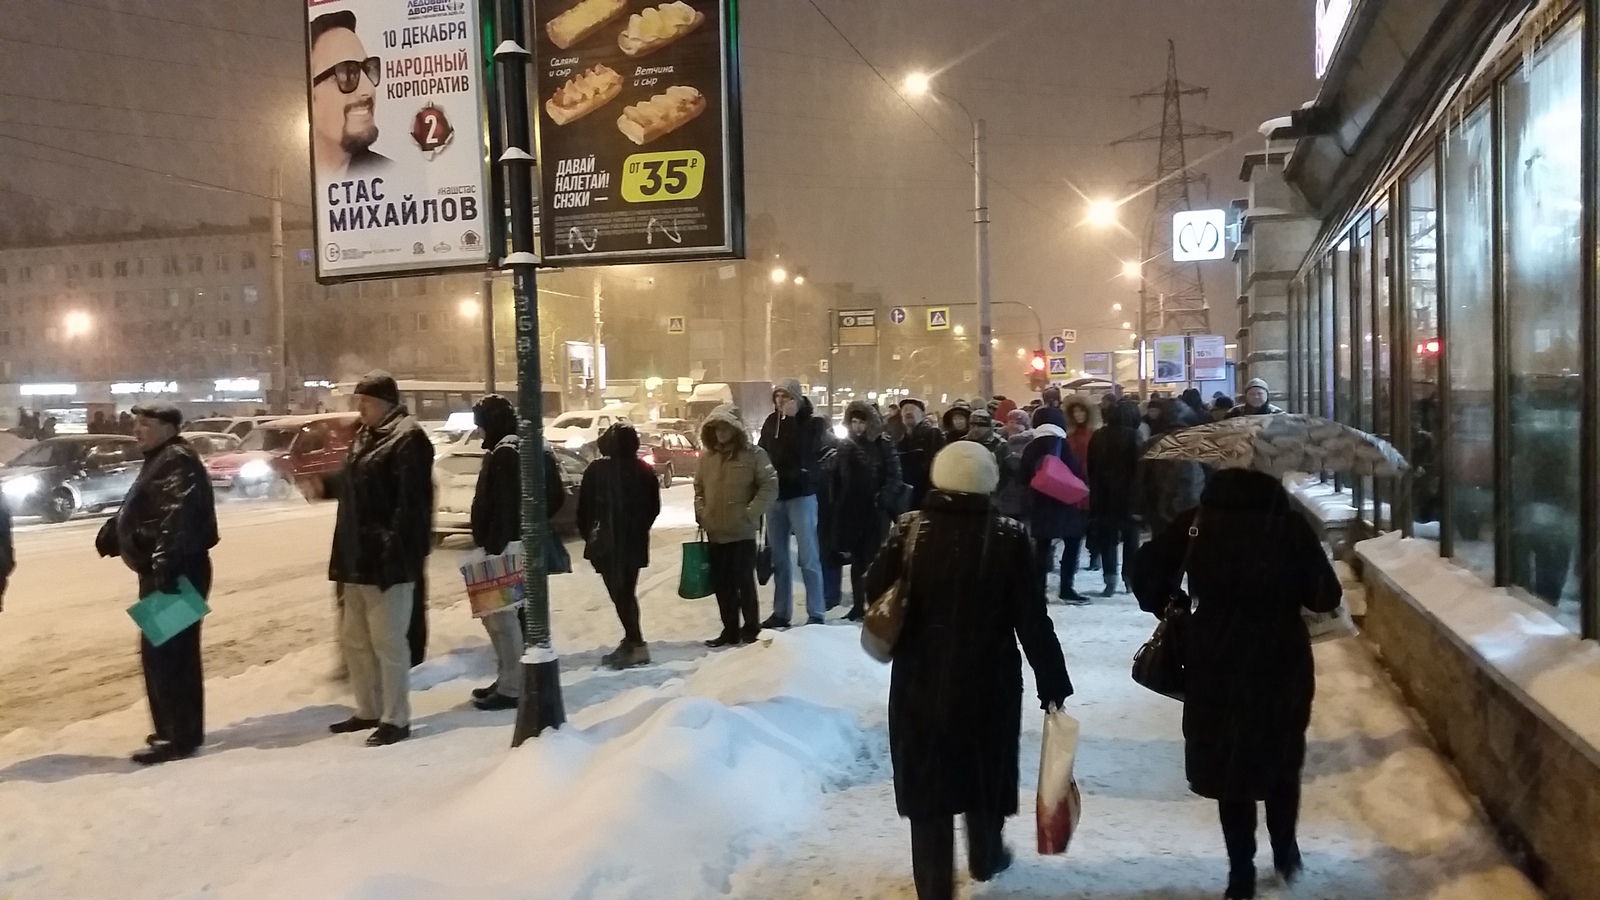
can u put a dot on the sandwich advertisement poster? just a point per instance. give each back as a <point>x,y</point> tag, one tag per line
<point>638,130</point>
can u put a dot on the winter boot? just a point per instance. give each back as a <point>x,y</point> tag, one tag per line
<point>749,635</point>
<point>725,639</point>
<point>627,656</point>
<point>776,624</point>
<point>856,613</point>
<point>1110,591</point>
<point>484,692</point>
<point>352,725</point>
<point>164,751</point>
<point>1071,597</point>
<point>495,701</point>
<point>1288,864</point>
<point>1241,884</point>
<point>816,620</point>
<point>388,734</point>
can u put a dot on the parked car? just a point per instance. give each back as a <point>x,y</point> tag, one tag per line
<point>60,477</point>
<point>455,481</point>
<point>662,426</point>
<point>212,443</point>
<point>671,454</point>
<point>580,429</point>
<point>239,426</point>
<point>283,455</point>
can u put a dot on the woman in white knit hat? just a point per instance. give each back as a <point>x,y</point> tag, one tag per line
<point>954,710</point>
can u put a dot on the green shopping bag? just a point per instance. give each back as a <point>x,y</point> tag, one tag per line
<point>161,616</point>
<point>694,582</point>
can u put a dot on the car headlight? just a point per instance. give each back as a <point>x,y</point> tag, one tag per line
<point>23,487</point>
<point>255,470</point>
<point>575,443</point>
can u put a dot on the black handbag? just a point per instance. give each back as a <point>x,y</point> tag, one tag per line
<point>763,556</point>
<point>1159,664</point>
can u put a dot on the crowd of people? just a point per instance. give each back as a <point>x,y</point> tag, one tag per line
<point>974,561</point>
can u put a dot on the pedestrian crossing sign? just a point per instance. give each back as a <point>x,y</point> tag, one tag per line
<point>938,318</point>
<point>1058,366</point>
<point>677,324</point>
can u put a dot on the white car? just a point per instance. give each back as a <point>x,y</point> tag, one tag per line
<point>580,429</point>
<point>455,482</point>
<point>238,426</point>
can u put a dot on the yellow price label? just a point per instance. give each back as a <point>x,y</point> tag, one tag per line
<point>658,177</point>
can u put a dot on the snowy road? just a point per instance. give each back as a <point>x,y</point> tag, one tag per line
<point>756,773</point>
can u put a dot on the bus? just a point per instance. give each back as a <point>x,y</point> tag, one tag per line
<point>435,401</point>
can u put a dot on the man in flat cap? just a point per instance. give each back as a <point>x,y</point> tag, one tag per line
<point>164,532</point>
<point>381,539</point>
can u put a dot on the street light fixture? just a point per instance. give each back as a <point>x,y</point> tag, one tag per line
<point>1127,324</point>
<point>78,324</point>
<point>1132,269</point>
<point>468,309</point>
<point>959,331</point>
<point>779,276</point>
<point>1103,213</point>
<point>799,280</point>
<point>918,84</point>
<point>1116,307</point>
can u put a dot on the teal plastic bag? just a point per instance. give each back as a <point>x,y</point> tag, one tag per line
<point>694,582</point>
<point>161,616</point>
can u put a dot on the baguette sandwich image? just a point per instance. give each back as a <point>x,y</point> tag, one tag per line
<point>583,20</point>
<point>583,94</point>
<point>658,26</point>
<point>662,114</point>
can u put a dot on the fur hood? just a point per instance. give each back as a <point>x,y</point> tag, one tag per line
<point>728,413</point>
<point>861,409</point>
<point>1077,402</point>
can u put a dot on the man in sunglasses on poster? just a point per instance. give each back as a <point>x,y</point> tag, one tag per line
<point>344,94</point>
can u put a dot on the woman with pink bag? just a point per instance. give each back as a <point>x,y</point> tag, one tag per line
<point>1049,518</point>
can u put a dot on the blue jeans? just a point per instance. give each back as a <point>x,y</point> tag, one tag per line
<point>797,517</point>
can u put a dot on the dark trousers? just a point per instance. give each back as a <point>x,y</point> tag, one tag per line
<point>861,558</point>
<point>933,853</point>
<point>1239,827</point>
<point>623,586</point>
<point>1044,549</point>
<point>733,577</point>
<point>1111,533</point>
<point>173,679</point>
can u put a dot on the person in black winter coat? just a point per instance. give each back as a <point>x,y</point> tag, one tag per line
<point>955,422</point>
<point>164,532</point>
<point>382,535</point>
<point>867,495</point>
<point>1114,453</point>
<point>1050,411</point>
<point>917,447</point>
<point>496,523</point>
<point>617,504</point>
<point>8,557</point>
<point>1164,488</point>
<point>1254,563</point>
<point>954,711</point>
<point>1050,520</point>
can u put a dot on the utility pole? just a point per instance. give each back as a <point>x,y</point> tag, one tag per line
<point>594,360</point>
<point>280,339</point>
<point>540,706</point>
<point>1184,309</point>
<point>486,309</point>
<point>980,221</point>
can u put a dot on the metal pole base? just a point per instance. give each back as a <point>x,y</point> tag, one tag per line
<point>540,706</point>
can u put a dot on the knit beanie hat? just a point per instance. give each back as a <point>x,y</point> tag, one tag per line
<point>965,467</point>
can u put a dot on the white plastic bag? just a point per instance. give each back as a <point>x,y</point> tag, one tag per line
<point>1329,626</point>
<point>1059,805</point>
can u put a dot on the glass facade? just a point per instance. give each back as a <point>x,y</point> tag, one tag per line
<point>1447,314</point>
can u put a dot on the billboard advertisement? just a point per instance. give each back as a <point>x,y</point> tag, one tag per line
<point>399,152</point>
<point>1210,353</point>
<point>1172,365</point>
<point>1097,364</point>
<point>637,114</point>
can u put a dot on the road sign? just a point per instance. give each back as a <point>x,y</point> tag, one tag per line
<point>1058,366</point>
<point>898,315</point>
<point>1058,345</point>
<point>1199,235</point>
<point>857,318</point>
<point>1097,364</point>
<point>1070,335</point>
<point>968,375</point>
<point>822,366</point>
<point>938,318</point>
<point>677,325</point>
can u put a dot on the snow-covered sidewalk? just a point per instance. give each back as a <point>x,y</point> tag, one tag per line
<point>757,773</point>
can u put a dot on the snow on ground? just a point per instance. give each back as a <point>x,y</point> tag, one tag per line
<point>757,773</point>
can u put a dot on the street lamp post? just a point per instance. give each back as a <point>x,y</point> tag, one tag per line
<point>921,84</point>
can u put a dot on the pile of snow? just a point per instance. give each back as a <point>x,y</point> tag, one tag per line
<point>655,793</point>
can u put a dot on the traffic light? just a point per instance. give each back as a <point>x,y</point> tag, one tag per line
<point>1038,379</point>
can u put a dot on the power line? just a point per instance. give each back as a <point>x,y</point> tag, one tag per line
<point>181,179</point>
<point>8,190</point>
<point>200,25</point>
<point>134,109</point>
<point>214,69</point>
<point>132,134</point>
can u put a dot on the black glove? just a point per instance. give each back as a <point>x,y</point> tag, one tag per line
<point>164,579</point>
<point>106,543</point>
